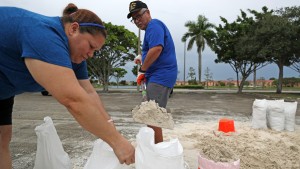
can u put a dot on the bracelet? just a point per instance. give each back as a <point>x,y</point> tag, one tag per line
<point>142,71</point>
<point>110,120</point>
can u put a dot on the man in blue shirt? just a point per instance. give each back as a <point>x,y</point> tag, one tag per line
<point>39,52</point>
<point>159,65</point>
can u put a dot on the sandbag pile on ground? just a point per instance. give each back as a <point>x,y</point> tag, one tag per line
<point>274,114</point>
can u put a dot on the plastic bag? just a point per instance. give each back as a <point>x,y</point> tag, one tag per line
<point>275,115</point>
<point>290,109</point>
<point>259,114</point>
<point>165,155</point>
<point>50,153</point>
<point>103,157</point>
<point>204,163</point>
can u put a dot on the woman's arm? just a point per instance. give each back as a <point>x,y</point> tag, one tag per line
<point>88,87</point>
<point>89,113</point>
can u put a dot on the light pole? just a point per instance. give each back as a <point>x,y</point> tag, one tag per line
<point>254,76</point>
<point>184,63</point>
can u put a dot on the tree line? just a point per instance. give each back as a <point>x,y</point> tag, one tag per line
<point>252,41</point>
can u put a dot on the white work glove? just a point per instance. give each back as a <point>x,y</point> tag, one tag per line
<point>138,59</point>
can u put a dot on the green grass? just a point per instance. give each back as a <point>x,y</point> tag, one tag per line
<point>189,87</point>
<point>285,96</point>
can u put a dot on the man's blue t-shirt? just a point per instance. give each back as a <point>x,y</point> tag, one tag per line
<point>24,34</point>
<point>164,70</point>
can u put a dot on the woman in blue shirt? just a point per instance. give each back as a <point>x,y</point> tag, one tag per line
<point>39,52</point>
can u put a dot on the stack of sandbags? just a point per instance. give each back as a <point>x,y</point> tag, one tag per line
<point>274,114</point>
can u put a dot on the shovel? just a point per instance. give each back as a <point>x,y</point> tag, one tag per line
<point>151,114</point>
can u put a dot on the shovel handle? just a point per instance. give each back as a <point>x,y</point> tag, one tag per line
<point>144,93</point>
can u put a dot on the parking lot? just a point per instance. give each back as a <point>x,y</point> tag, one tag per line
<point>186,107</point>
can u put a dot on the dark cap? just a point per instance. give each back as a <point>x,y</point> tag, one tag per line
<point>135,6</point>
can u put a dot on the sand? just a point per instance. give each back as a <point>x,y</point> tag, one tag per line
<point>256,148</point>
<point>150,113</point>
<point>196,120</point>
<point>251,148</point>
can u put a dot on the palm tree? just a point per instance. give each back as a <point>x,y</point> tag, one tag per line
<point>201,33</point>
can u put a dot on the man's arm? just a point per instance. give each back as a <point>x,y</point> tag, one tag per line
<point>151,57</point>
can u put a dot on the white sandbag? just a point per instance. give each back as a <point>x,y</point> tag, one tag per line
<point>275,115</point>
<point>290,109</point>
<point>165,155</point>
<point>50,153</point>
<point>103,157</point>
<point>259,114</point>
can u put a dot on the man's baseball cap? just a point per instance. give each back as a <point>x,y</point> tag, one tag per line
<point>135,6</point>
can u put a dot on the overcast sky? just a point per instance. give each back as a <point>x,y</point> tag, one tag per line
<point>174,13</point>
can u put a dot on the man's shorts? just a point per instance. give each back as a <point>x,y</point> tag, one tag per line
<point>158,93</point>
<point>6,108</point>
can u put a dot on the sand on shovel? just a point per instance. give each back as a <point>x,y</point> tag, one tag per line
<point>151,114</point>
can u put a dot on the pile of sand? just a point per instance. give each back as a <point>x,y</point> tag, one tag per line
<point>151,114</point>
<point>255,148</point>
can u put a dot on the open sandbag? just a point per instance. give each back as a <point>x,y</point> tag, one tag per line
<point>103,157</point>
<point>50,153</point>
<point>164,155</point>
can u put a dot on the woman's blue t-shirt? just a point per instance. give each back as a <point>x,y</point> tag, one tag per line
<point>24,34</point>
